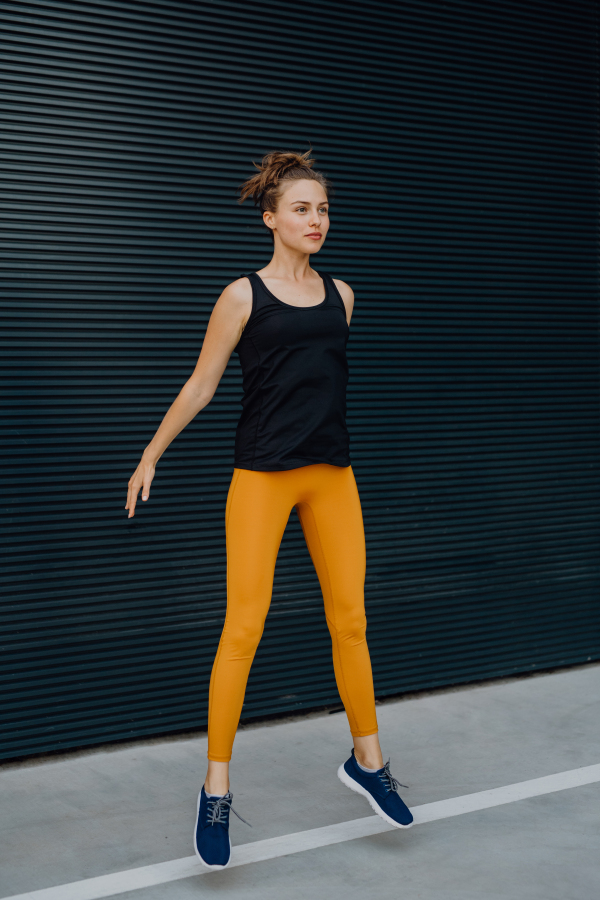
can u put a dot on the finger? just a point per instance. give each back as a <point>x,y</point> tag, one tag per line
<point>129,486</point>
<point>129,496</point>
<point>132,499</point>
<point>146,489</point>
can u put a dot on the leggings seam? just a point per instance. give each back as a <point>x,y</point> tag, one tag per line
<point>333,607</point>
<point>215,664</point>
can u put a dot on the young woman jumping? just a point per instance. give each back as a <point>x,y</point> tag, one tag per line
<point>289,325</point>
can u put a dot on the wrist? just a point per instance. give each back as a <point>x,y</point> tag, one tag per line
<point>149,457</point>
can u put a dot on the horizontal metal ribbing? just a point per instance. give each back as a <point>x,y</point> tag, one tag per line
<point>462,140</point>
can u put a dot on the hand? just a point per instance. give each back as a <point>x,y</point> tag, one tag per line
<point>141,478</point>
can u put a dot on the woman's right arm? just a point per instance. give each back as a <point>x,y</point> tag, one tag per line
<point>225,326</point>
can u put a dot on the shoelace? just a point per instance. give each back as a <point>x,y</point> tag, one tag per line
<point>390,783</point>
<point>217,814</point>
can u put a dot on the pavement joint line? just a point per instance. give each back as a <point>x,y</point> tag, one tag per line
<point>173,870</point>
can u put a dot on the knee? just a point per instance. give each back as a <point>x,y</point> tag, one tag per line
<point>350,627</point>
<point>242,638</point>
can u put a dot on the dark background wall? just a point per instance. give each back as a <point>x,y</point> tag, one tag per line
<point>462,139</point>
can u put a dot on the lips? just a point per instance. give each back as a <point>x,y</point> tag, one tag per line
<point>315,234</point>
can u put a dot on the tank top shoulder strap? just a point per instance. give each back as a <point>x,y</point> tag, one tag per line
<point>334,295</point>
<point>260,296</point>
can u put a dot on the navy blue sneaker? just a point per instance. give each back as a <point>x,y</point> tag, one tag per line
<point>381,790</point>
<point>211,834</point>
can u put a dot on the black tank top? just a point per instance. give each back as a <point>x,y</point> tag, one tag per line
<point>295,374</point>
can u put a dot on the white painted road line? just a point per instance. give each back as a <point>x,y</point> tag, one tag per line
<point>161,873</point>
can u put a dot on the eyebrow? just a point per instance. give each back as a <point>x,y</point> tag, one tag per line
<point>307,202</point>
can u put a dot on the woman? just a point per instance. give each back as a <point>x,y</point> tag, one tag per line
<point>291,450</point>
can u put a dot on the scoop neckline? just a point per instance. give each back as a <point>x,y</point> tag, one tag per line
<point>291,305</point>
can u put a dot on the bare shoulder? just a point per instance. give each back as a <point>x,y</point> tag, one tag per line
<point>347,295</point>
<point>235,302</point>
<point>345,290</point>
<point>237,292</point>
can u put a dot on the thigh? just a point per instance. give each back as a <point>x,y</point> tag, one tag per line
<point>331,518</point>
<point>258,508</point>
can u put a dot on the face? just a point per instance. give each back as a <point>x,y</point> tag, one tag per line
<point>301,220</point>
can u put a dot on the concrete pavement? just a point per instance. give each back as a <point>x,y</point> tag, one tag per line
<point>112,810</point>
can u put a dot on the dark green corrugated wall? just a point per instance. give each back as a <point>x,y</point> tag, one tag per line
<point>463,142</point>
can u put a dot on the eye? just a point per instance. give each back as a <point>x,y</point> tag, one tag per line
<point>301,209</point>
<point>324,210</point>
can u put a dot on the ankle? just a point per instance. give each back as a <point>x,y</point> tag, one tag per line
<point>220,788</point>
<point>217,778</point>
<point>368,762</point>
<point>367,751</point>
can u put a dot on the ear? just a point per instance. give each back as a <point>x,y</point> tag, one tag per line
<point>269,219</point>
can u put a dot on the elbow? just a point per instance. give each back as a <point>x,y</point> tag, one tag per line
<point>201,393</point>
<point>204,397</point>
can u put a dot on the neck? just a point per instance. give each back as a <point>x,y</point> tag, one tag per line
<point>287,263</point>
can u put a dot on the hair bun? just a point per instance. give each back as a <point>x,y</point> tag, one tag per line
<point>275,167</point>
<point>275,164</point>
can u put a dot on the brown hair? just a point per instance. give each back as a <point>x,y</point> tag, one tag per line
<point>265,186</point>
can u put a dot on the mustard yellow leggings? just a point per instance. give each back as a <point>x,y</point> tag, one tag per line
<point>258,507</point>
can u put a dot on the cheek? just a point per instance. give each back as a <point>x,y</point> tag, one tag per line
<point>293,225</point>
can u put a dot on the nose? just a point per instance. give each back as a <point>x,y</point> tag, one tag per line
<point>315,220</point>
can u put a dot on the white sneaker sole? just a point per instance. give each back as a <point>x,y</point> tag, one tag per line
<point>197,852</point>
<point>359,789</point>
